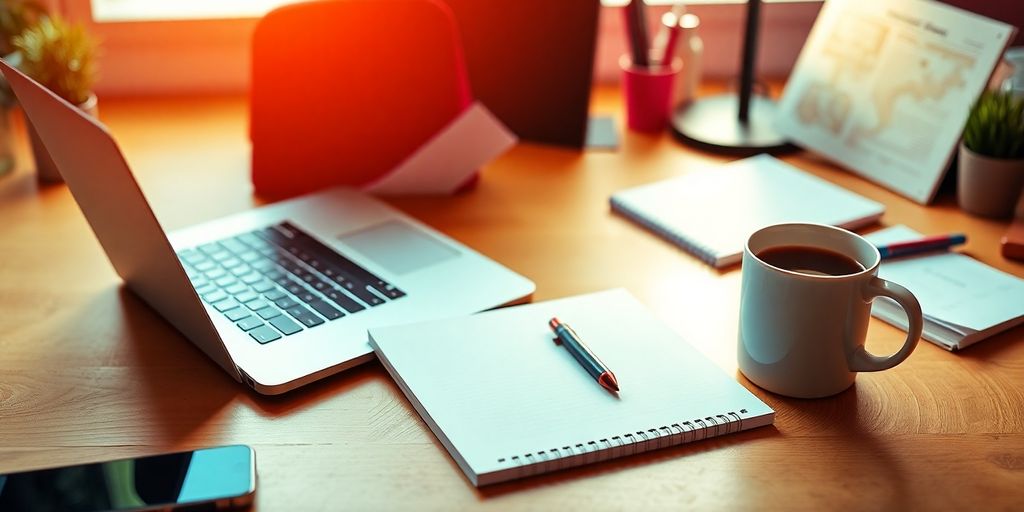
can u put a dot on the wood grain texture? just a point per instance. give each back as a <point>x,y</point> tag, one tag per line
<point>88,372</point>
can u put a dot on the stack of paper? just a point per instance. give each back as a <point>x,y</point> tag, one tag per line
<point>964,300</point>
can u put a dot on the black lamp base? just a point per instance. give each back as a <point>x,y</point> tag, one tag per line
<point>713,124</point>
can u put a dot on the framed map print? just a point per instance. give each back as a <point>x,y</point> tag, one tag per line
<point>884,87</point>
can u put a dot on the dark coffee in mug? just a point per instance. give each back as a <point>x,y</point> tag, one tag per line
<point>810,260</point>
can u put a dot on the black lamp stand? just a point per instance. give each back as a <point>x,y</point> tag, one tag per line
<point>733,123</point>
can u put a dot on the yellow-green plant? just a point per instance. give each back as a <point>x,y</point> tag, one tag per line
<point>15,17</point>
<point>59,55</point>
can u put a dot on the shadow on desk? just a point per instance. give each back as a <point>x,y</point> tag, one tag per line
<point>180,387</point>
<point>861,460</point>
<point>176,372</point>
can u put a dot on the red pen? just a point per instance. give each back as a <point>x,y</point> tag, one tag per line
<point>583,355</point>
<point>925,244</point>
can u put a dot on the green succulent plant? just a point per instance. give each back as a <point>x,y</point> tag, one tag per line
<point>995,127</point>
<point>61,56</point>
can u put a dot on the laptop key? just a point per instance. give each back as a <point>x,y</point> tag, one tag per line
<point>225,281</point>
<point>391,292</point>
<point>264,334</point>
<point>215,296</point>
<point>262,265</point>
<point>246,296</point>
<point>273,295</point>
<point>256,304</point>
<point>305,316</point>
<point>249,239</point>
<point>237,314</point>
<point>236,288</point>
<point>215,273</point>
<point>251,257</point>
<point>359,290</point>
<point>285,325</point>
<point>241,270</point>
<point>252,278</point>
<point>234,245</point>
<point>326,310</point>
<point>186,253</point>
<point>249,323</point>
<point>210,248</point>
<point>207,288</point>
<point>307,297</point>
<point>231,263</point>
<point>205,266</point>
<point>294,288</point>
<point>224,305</point>
<point>221,256</point>
<point>263,286</point>
<point>346,302</point>
<point>285,303</point>
<point>268,312</point>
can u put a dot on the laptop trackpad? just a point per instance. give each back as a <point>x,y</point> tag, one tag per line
<point>398,247</point>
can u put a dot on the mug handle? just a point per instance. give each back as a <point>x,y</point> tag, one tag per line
<point>860,360</point>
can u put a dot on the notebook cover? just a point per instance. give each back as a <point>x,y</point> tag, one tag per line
<point>531,63</point>
<point>963,300</point>
<point>344,91</point>
<point>711,212</point>
<point>507,402</point>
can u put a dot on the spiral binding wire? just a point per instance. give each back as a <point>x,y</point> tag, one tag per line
<point>628,443</point>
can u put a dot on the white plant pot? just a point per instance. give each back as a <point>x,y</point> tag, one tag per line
<point>989,187</point>
<point>46,170</point>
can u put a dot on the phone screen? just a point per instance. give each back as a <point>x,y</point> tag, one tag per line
<point>130,484</point>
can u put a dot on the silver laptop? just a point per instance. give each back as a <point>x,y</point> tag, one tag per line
<point>278,296</point>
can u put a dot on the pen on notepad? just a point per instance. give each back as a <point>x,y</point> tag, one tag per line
<point>594,366</point>
<point>925,244</point>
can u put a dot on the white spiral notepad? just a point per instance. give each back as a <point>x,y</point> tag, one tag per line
<point>507,402</point>
<point>711,212</point>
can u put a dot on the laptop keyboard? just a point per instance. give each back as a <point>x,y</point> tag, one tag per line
<point>278,281</point>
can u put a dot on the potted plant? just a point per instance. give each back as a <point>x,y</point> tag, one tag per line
<point>991,169</point>
<point>62,57</point>
<point>15,16</point>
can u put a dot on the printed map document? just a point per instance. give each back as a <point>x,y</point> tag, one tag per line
<point>885,87</point>
<point>963,300</point>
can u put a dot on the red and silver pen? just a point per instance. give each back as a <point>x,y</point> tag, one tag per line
<point>594,366</point>
<point>925,244</point>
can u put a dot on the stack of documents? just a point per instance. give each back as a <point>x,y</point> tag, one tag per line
<point>964,300</point>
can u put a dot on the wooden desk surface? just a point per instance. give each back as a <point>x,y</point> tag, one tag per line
<point>88,372</point>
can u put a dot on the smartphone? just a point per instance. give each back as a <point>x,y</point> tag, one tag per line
<point>207,479</point>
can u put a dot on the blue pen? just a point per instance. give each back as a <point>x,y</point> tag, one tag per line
<point>925,244</point>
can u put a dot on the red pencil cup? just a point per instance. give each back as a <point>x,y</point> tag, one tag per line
<point>648,93</point>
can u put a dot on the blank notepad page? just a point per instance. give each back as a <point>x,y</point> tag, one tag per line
<point>507,401</point>
<point>711,212</point>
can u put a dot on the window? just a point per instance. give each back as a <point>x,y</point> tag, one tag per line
<point>202,46</point>
<point>147,10</point>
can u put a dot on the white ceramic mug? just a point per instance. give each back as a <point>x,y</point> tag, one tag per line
<point>802,334</point>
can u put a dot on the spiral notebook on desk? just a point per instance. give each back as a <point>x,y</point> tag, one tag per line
<point>507,402</point>
<point>711,212</point>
